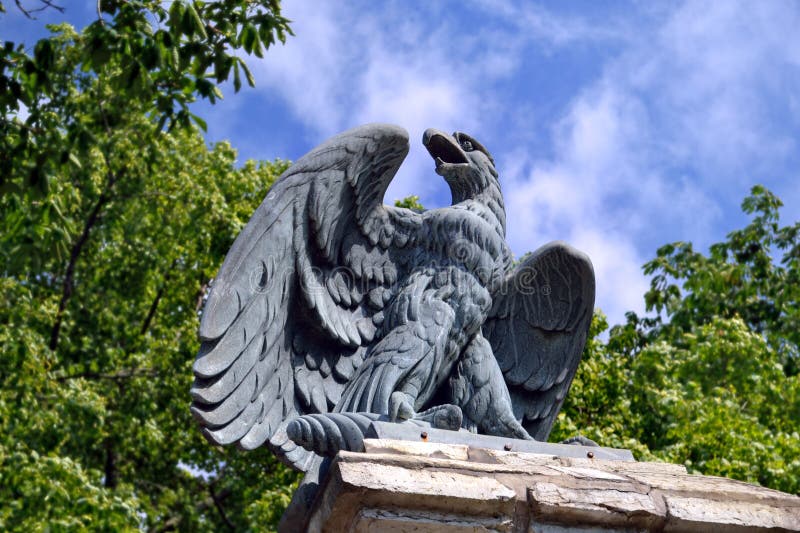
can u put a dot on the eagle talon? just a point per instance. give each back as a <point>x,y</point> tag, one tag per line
<point>579,440</point>
<point>469,425</point>
<point>400,407</point>
<point>519,432</point>
<point>446,416</point>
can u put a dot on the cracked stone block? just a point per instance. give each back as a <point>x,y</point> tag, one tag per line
<point>400,486</point>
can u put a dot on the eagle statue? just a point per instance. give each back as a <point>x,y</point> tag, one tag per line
<point>330,302</point>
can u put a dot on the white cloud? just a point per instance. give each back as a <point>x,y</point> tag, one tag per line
<point>662,144</point>
<point>312,70</point>
<point>347,66</point>
<point>341,70</point>
<point>712,74</point>
<point>532,22</point>
<point>620,284</point>
<point>571,197</point>
<point>689,107</point>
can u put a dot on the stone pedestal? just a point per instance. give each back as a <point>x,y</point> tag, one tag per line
<point>399,486</point>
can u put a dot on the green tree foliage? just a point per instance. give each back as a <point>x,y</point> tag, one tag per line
<point>102,274</point>
<point>157,55</point>
<point>738,278</point>
<point>410,202</point>
<point>94,422</point>
<point>711,382</point>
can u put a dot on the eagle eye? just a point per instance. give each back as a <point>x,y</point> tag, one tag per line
<point>468,144</point>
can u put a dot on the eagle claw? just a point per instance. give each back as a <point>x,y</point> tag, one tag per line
<point>447,416</point>
<point>579,440</point>
<point>400,407</point>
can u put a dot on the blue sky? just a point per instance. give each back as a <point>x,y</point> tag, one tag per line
<point>617,127</point>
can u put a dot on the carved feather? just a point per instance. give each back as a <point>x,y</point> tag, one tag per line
<point>283,326</point>
<point>537,328</point>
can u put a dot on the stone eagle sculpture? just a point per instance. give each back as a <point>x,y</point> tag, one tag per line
<point>330,301</point>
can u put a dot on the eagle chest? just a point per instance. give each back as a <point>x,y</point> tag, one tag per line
<point>469,238</point>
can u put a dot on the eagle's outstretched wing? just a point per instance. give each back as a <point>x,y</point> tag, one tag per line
<point>300,291</point>
<point>537,328</point>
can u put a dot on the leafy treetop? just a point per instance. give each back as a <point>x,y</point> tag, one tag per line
<point>156,54</point>
<point>753,275</point>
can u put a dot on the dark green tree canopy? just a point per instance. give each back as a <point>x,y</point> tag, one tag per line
<point>160,56</point>
<point>111,227</point>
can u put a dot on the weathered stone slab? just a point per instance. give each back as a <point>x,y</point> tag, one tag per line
<point>421,449</point>
<point>475,491</point>
<point>370,519</point>
<point>388,430</point>
<point>355,483</point>
<point>696,513</point>
<point>419,486</point>
<point>620,507</point>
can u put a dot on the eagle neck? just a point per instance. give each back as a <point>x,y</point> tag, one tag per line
<point>488,200</point>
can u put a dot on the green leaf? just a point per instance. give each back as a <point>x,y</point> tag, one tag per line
<point>175,15</point>
<point>150,56</point>
<point>250,79</point>
<point>248,37</point>
<point>74,160</point>
<point>200,122</point>
<point>237,80</point>
<point>197,22</point>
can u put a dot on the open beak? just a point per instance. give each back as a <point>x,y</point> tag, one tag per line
<point>444,150</point>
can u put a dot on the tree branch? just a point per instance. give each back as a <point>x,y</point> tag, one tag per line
<point>218,504</point>
<point>201,297</point>
<point>173,521</point>
<point>153,306</point>
<point>170,525</point>
<point>67,286</point>
<point>30,11</point>
<point>111,470</point>
<point>128,373</point>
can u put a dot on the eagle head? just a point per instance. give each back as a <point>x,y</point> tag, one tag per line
<point>463,162</point>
